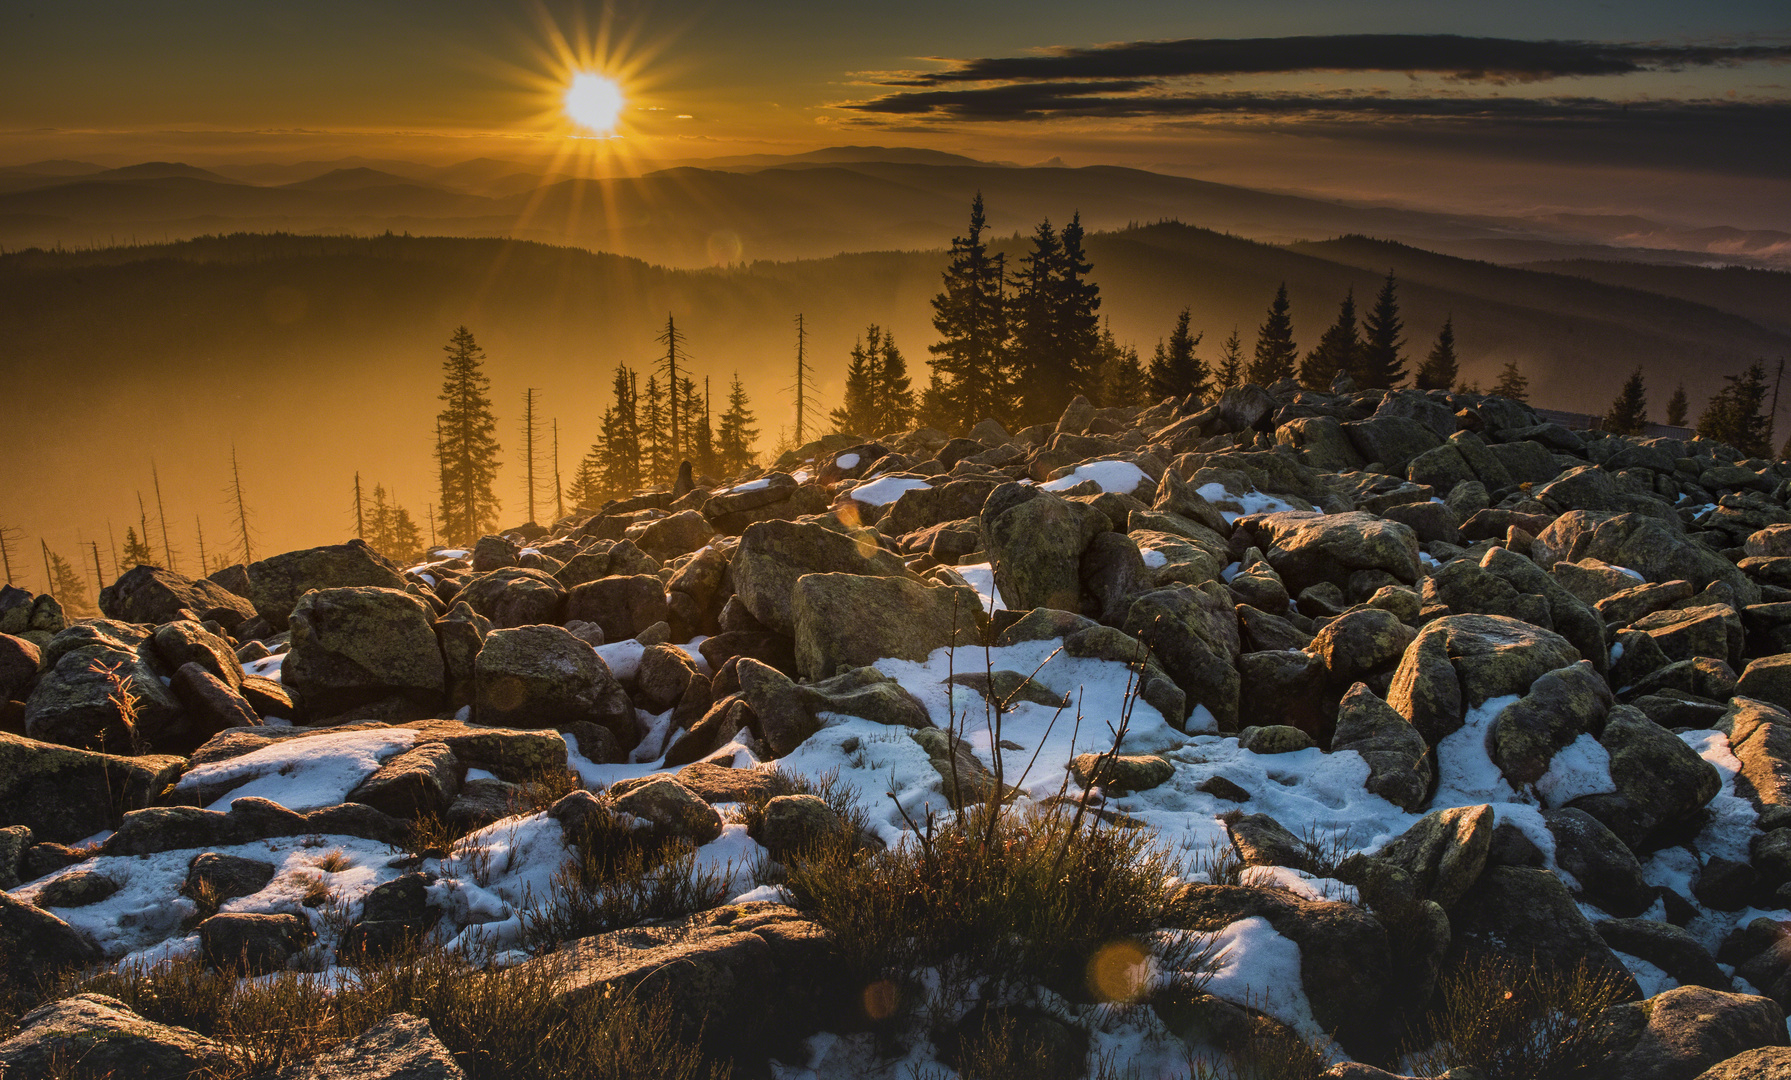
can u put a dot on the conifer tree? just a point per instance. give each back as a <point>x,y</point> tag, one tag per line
<point>1677,407</point>
<point>673,341</point>
<point>1175,371</point>
<point>1628,414</point>
<point>1123,381</point>
<point>702,450</point>
<point>1734,415</point>
<point>1513,384</point>
<point>879,395</point>
<point>1378,364</point>
<point>1275,351</point>
<point>617,454</point>
<point>1338,351</point>
<point>892,391</point>
<point>67,586</point>
<point>1230,370</point>
<point>379,522</point>
<point>856,414</point>
<point>1078,304</point>
<point>136,552</point>
<point>467,447</point>
<point>735,436</point>
<point>1440,369</point>
<point>656,441</point>
<point>970,313</point>
<point>586,489</point>
<point>1040,374</point>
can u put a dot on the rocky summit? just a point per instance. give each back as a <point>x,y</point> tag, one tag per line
<point>1400,680</point>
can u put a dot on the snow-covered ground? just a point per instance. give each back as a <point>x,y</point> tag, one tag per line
<point>488,883</point>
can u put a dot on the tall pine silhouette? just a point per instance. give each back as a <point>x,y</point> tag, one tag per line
<point>972,380</point>
<point>1175,371</point>
<point>1378,364</point>
<point>1056,339</point>
<point>735,435</point>
<point>466,447</point>
<point>1440,369</point>
<point>1337,350</point>
<point>1628,414</point>
<point>1275,350</point>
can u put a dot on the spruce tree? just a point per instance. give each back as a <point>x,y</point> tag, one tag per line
<point>735,435</point>
<point>892,391</point>
<point>702,443</point>
<point>1275,350</point>
<point>970,314</point>
<point>656,441</point>
<point>619,446</point>
<point>1513,384</point>
<point>1175,371</point>
<point>1378,364</point>
<point>136,552</point>
<point>467,448</point>
<point>1124,383</point>
<point>856,414</point>
<point>1230,370</point>
<point>406,538</point>
<point>1040,374</point>
<point>1628,414</point>
<point>1078,305</point>
<point>1338,350</point>
<point>1440,369</point>
<point>67,586</point>
<point>673,341</point>
<point>1677,406</point>
<point>1735,415</point>
<point>586,490</point>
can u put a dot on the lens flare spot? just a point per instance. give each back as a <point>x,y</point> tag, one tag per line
<point>880,999</point>
<point>593,102</point>
<point>725,248</point>
<point>1119,972</point>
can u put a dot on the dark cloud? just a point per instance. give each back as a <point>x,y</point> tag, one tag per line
<point>1466,58</point>
<point>1022,101</point>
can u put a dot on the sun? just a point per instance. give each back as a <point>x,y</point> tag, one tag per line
<point>593,102</point>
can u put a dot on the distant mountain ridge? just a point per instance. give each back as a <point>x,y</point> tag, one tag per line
<point>802,206</point>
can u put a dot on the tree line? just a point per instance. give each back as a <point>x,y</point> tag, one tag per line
<point>1017,347</point>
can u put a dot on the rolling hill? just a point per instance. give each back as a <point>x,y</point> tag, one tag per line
<point>320,356</point>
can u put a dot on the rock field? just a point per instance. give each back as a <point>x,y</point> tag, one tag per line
<point>1445,679</point>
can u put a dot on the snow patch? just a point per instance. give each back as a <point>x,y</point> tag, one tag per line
<point>886,489</point>
<point>1120,476</point>
<point>301,773</point>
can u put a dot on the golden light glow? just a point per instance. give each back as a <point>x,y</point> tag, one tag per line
<point>1120,971</point>
<point>593,102</point>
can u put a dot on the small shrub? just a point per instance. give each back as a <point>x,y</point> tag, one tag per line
<point>618,877</point>
<point>1016,895</point>
<point>498,1023</point>
<point>1514,1020</point>
<point>595,894</point>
